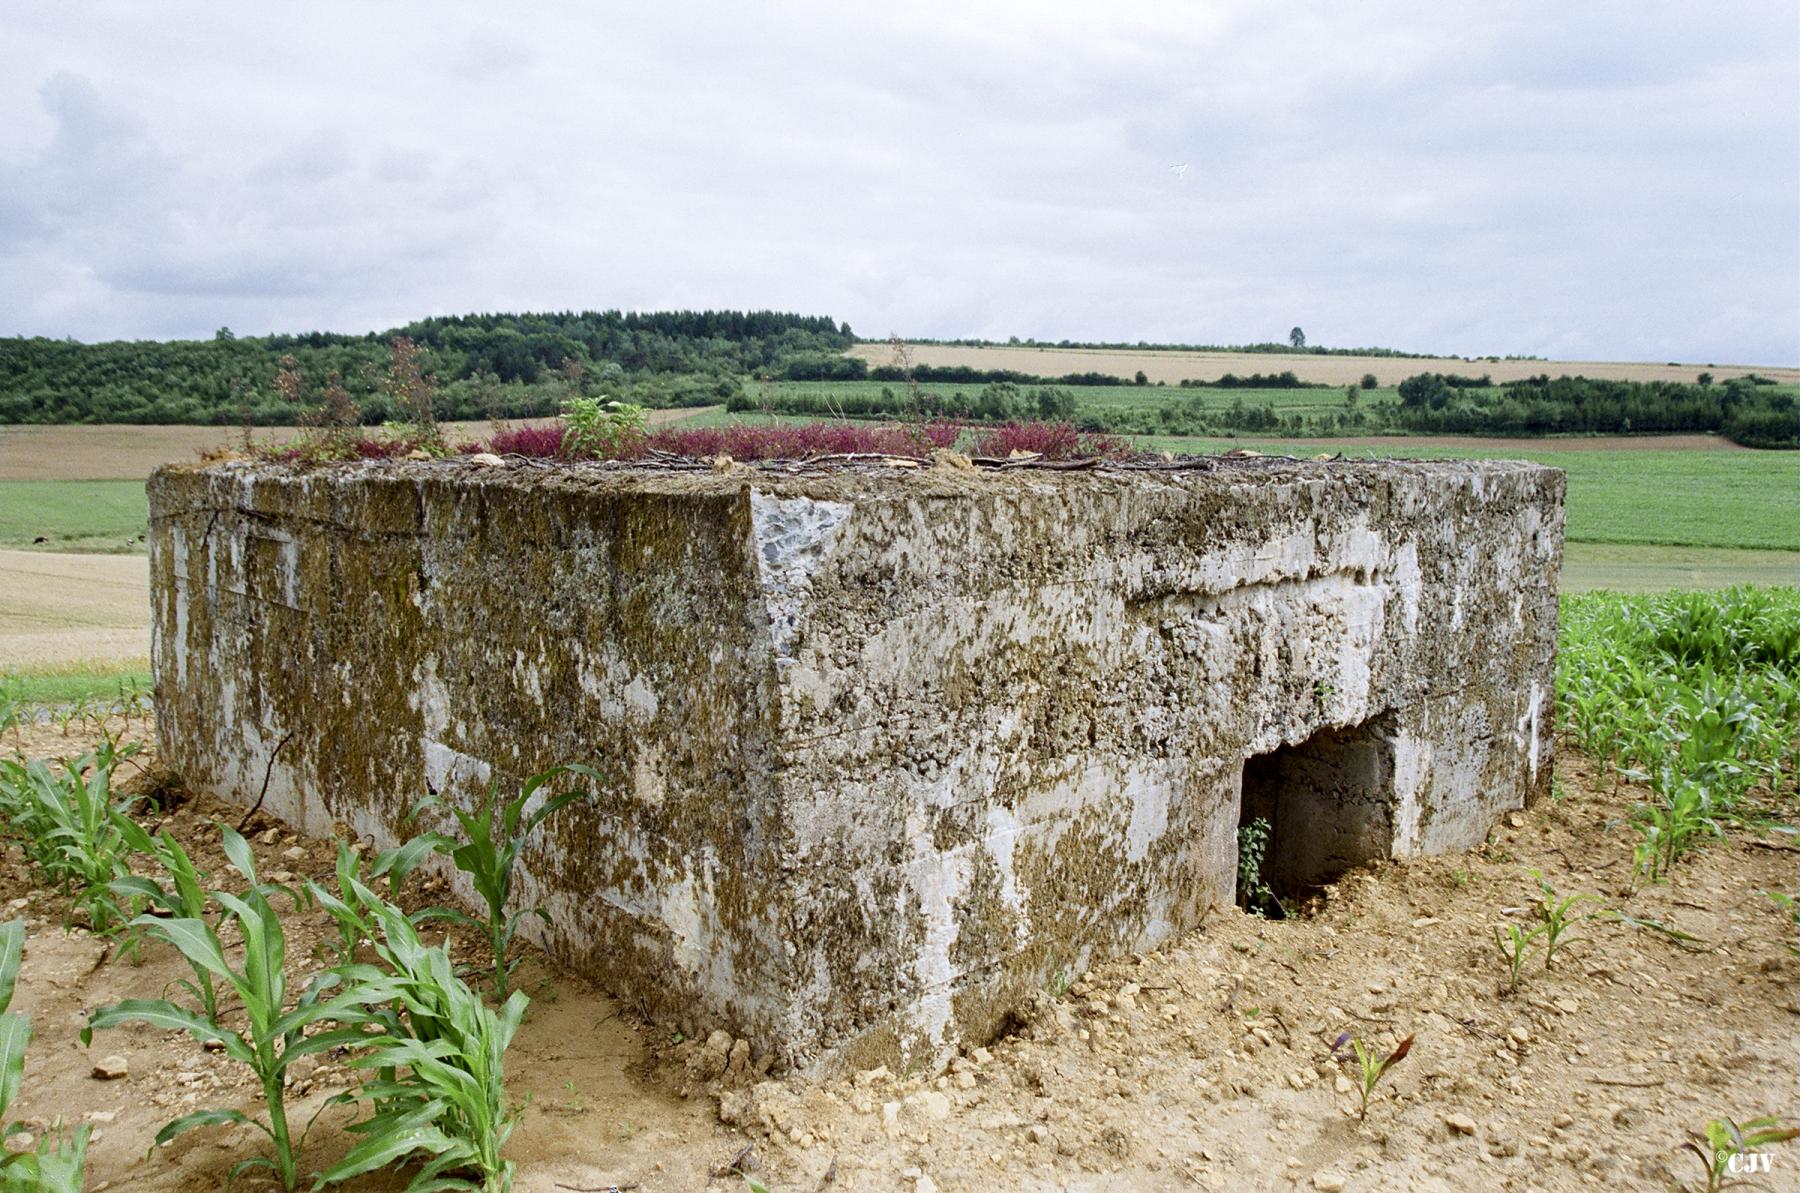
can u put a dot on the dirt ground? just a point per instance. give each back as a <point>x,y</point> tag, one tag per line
<point>69,610</point>
<point>112,451</point>
<point>1204,1065</point>
<point>1334,370</point>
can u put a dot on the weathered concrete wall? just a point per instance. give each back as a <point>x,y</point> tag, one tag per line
<point>889,750</point>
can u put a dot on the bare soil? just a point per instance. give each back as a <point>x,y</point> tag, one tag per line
<point>1205,1064</point>
<point>69,610</point>
<point>1173,366</point>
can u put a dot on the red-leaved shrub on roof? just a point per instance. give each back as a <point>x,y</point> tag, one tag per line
<point>1052,441</point>
<point>798,441</point>
<point>369,447</point>
<point>791,441</point>
<point>540,441</point>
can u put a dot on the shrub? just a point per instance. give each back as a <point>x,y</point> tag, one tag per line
<point>1051,441</point>
<point>538,442</point>
<point>595,428</point>
<point>796,441</point>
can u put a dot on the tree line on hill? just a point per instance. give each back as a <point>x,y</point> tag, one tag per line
<point>485,365</point>
<point>528,365</point>
<point>1751,411</point>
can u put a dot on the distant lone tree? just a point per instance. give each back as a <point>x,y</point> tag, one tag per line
<point>1297,338</point>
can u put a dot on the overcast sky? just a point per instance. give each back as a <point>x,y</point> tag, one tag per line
<point>1574,179</point>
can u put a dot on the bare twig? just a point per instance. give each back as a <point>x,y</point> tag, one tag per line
<point>268,772</point>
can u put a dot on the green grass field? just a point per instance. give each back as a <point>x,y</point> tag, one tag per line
<point>89,516</point>
<point>1744,499</point>
<point>1670,518</point>
<point>1747,500</point>
<point>1635,567</point>
<point>69,685</point>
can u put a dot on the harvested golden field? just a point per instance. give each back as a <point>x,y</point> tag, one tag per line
<point>69,610</point>
<point>1173,367</point>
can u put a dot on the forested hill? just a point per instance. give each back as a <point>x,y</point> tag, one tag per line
<point>484,364</point>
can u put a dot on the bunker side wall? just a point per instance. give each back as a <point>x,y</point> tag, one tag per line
<point>354,638</point>
<point>1014,723</point>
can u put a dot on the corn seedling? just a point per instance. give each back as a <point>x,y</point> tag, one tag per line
<point>1674,936</point>
<point>275,1033</point>
<point>72,829</point>
<point>1558,915</point>
<point>438,1054</point>
<point>488,852</point>
<point>15,714</point>
<point>347,906</point>
<point>1723,1146</point>
<point>183,898</point>
<point>1515,945</point>
<point>55,1164</point>
<point>1372,1065</point>
<point>1670,829</point>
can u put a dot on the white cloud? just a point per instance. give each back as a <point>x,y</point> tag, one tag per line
<point>1607,180</point>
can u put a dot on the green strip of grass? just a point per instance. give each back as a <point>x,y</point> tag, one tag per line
<point>1678,498</point>
<point>1637,567</point>
<point>71,685</point>
<point>93,516</point>
<point>1742,499</point>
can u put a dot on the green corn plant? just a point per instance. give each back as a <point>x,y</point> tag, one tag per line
<point>72,828</point>
<point>274,1035</point>
<point>15,713</point>
<point>438,1056</point>
<point>1558,916</point>
<point>1723,1146</point>
<point>346,906</point>
<point>488,851</point>
<point>1515,945</point>
<point>1669,830</point>
<point>55,1165</point>
<point>184,898</point>
<point>1371,1066</point>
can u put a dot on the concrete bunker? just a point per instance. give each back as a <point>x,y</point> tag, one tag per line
<point>887,749</point>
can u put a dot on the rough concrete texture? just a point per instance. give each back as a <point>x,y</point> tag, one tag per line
<point>887,752</point>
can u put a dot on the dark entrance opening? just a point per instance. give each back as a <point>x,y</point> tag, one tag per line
<point>1313,810</point>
